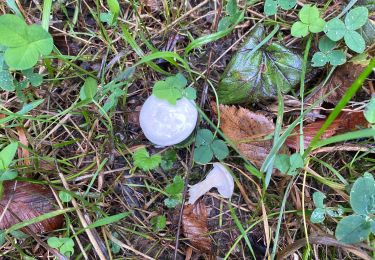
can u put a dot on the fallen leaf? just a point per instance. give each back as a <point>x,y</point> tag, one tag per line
<point>23,201</point>
<point>337,85</point>
<point>194,226</point>
<point>247,129</point>
<point>255,74</point>
<point>23,152</point>
<point>346,122</point>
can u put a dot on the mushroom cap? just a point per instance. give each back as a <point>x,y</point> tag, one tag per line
<point>221,178</point>
<point>166,124</point>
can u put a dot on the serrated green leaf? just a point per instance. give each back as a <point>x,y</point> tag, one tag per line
<point>168,158</point>
<point>353,229</point>
<point>176,187</point>
<point>7,155</point>
<point>337,57</point>
<point>270,7</point>
<point>299,29</point>
<point>220,149</point>
<point>170,89</point>
<point>354,41</point>
<point>318,198</point>
<point>287,4</point>
<point>255,74</point>
<point>143,160</point>
<point>203,154</point>
<point>6,81</point>
<point>89,89</point>
<point>362,195</point>
<point>326,44</point>
<point>173,201</point>
<point>319,59</point>
<point>282,163</point>
<point>335,29</point>
<point>158,222</point>
<point>318,215</point>
<point>370,111</point>
<point>356,18</point>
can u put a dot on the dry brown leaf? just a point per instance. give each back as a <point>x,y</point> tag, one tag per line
<point>194,226</point>
<point>24,201</point>
<point>247,129</point>
<point>23,152</point>
<point>346,122</point>
<point>337,85</point>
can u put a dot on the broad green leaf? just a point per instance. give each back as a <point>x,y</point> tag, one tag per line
<point>337,57</point>
<point>34,78</point>
<point>326,44</point>
<point>54,242</point>
<point>21,58</point>
<point>309,14</point>
<point>220,149</point>
<point>318,198</point>
<point>6,81</point>
<point>270,7</point>
<point>319,59</point>
<point>318,215</point>
<point>282,163</point>
<point>114,7</point>
<point>107,18</point>
<point>170,89</point>
<point>7,155</point>
<point>89,89</point>
<point>158,223</point>
<point>176,187</point>
<point>13,31</point>
<point>203,154</point>
<point>335,29</point>
<point>287,4</point>
<point>255,74</point>
<point>232,8</point>
<point>224,23</point>
<point>67,248</point>
<point>8,175</point>
<point>204,137</point>
<point>362,195</point>
<point>296,162</point>
<point>370,111</point>
<point>143,160</point>
<point>353,229</point>
<point>354,41</point>
<point>299,29</point>
<point>65,196</point>
<point>190,93</point>
<point>39,39</point>
<point>356,18</point>
<point>317,26</point>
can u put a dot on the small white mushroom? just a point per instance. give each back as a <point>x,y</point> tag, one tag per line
<point>219,177</point>
<point>166,124</point>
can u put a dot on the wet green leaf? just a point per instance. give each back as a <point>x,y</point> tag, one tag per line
<point>318,215</point>
<point>356,18</point>
<point>362,195</point>
<point>353,229</point>
<point>355,41</point>
<point>318,198</point>
<point>254,74</point>
<point>335,29</point>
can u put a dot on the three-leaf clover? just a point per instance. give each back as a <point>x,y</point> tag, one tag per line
<point>207,146</point>
<point>24,43</point>
<point>310,21</point>
<point>234,15</point>
<point>143,160</point>
<point>328,54</point>
<point>336,29</point>
<point>174,192</point>
<point>289,164</point>
<point>357,227</point>
<point>64,244</point>
<point>173,88</point>
<point>270,6</point>
<point>320,211</point>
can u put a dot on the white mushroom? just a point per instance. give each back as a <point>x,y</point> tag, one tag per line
<point>166,124</point>
<point>219,177</point>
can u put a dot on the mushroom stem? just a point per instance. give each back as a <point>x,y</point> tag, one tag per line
<point>199,190</point>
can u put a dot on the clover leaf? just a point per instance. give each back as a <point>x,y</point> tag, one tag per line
<point>336,29</point>
<point>271,6</point>
<point>173,88</point>
<point>64,244</point>
<point>288,164</point>
<point>327,54</point>
<point>207,146</point>
<point>310,21</point>
<point>143,160</point>
<point>24,43</point>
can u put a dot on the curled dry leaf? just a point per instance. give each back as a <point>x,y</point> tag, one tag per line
<point>337,85</point>
<point>23,201</point>
<point>247,130</point>
<point>194,226</point>
<point>346,122</point>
